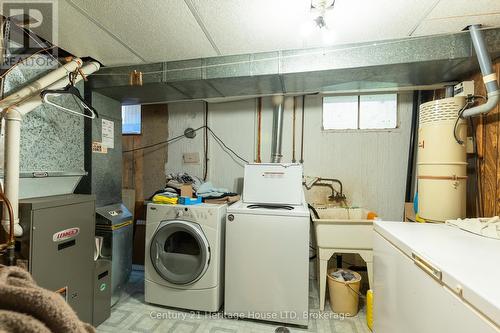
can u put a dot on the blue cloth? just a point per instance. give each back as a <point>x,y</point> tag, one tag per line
<point>209,190</point>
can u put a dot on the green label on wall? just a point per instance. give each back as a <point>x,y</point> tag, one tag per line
<point>102,287</point>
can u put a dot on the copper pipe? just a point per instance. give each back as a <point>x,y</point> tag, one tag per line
<point>259,128</point>
<point>135,78</point>
<point>293,128</point>
<point>454,177</point>
<point>302,130</point>
<point>11,239</point>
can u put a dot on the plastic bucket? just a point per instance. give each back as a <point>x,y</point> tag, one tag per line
<point>344,295</point>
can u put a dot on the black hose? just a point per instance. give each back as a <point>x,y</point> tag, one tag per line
<point>315,212</point>
<point>460,113</point>
<point>411,150</point>
<point>302,130</point>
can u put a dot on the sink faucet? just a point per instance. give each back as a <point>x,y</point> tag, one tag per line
<point>336,195</point>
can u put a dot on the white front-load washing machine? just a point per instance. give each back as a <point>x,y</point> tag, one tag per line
<point>185,256</point>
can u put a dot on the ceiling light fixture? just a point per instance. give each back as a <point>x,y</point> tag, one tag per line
<point>319,8</point>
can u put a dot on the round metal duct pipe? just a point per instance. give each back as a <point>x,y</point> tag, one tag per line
<point>277,138</point>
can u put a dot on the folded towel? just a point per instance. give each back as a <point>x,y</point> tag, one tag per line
<point>486,227</point>
<point>25,307</point>
<point>209,190</point>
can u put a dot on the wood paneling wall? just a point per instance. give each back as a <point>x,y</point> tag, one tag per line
<point>144,170</point>
<point>487,131</point>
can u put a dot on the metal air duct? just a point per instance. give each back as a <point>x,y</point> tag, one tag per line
<point>416,63</point>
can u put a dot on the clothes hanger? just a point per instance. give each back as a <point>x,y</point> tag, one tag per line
<point>70,89</point>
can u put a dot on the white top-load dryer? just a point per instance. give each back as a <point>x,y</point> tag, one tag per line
<point>185,256</point>
<point>267,247</point>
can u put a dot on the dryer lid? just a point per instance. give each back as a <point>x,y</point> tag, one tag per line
<point>180,252</point>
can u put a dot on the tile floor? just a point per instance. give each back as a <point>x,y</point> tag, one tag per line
<point>132,314</point>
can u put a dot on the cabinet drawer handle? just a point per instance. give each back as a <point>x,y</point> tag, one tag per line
<point>427,267</point>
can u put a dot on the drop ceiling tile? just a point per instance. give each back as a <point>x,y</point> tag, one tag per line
<point>77,35</point>
<point>242,26</point>
<point>456,24</point>
<point>363,21</point>
<point>157,30</point>
<point>464,8</point>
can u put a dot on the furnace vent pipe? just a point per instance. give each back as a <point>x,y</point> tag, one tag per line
<point>277,139</point>
<point>489,76</point>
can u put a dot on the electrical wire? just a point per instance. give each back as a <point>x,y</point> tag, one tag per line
<point>162,142</point>
<point>460,113</point>
<point>43,46</point>
<point>217,138</point>
<point>479,198</point>
<point>205,145</point>
<point>225,146</point>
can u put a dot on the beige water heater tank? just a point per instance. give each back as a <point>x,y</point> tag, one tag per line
<point>441,161</point>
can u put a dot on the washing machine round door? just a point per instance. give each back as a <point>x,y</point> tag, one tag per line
<point>180,252</point>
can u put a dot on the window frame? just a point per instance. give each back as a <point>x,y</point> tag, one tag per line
<point>358,130</point>
<point>141,129</point>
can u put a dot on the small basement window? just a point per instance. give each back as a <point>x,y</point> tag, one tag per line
<point>131,119</point>
<point>363,112</point>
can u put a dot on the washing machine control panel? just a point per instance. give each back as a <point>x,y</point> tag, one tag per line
<point>192,214</point>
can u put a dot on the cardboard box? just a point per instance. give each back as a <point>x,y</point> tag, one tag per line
<point>187,190</point>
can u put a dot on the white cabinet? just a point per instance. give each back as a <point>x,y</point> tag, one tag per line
<point>434,279</point>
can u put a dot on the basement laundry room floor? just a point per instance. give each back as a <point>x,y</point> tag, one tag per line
<point>132,314</point>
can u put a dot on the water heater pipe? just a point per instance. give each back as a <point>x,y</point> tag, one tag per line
<point>277,139</point>
<point>489,76</point>
<point>13,119</point>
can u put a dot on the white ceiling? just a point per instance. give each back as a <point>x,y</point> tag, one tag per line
<point>118,32</point>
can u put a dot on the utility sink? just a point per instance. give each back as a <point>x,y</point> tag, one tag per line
<point>343,228</point>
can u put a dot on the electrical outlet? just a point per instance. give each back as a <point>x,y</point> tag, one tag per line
<point>191,158</point>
